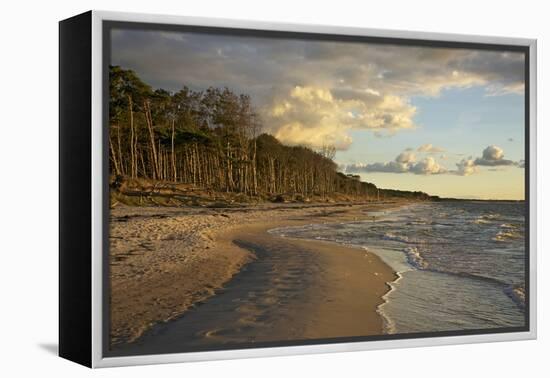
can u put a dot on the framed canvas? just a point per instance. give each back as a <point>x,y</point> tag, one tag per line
<point>236,189</point>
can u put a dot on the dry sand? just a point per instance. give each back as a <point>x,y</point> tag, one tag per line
<point>166,262</point>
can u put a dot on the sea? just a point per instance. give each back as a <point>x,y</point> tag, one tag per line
<point>460,264</point>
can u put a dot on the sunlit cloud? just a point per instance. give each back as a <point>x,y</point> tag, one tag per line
<point>429,148</point>
<point>493,156</point>
<point>313,116</point>
<point>405,162</point>
<point>466,167</point>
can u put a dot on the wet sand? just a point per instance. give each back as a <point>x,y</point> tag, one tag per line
<point>249,286</point>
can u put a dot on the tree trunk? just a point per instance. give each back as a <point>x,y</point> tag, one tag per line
<point>133,167</point>
<point>120,150</point>
<point>174,171</point>
<point>113,156</point>
<point>155,161</point>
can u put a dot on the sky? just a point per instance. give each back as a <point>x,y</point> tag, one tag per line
<point>449,122</point>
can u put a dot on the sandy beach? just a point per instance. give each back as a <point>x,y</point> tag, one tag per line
<point>195,277</point>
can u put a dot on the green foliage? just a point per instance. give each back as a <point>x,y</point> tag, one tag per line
<point>123,86</point>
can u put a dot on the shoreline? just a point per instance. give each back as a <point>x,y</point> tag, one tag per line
<point>388,326</point>
<point>190,255</point>
<point>351,279</point>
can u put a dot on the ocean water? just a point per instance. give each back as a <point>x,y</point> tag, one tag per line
<point>461,264</point>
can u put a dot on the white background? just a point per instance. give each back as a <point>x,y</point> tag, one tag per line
<point>29,189</point>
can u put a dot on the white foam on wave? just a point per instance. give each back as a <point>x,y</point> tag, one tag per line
<point>503,236</point>
<point>388,323</point>
<point>392,236</point>
<point>517,293</point>
<point>486,218</point>
<point>509,226</point>
<point>414,258</point>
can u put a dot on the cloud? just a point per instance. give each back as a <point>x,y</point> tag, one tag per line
<point>405,162</point>
<point>466,167</point>
<point>299,86</point>
<point>389,167</point>
<point>427,166</point>
<point>493,156</point>
<point>405,157</point>
<point>314,116</point>
<point>429,148</point>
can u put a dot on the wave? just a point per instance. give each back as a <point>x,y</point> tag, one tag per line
<point>394,237</point>
<point>414,258</point>
<point>517,293</point>
<point>388,323</point>
<point>503,236</point>
<point>487,218</point>
<point>509,226</point>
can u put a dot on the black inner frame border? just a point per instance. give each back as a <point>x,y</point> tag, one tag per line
<point>108,26</point>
